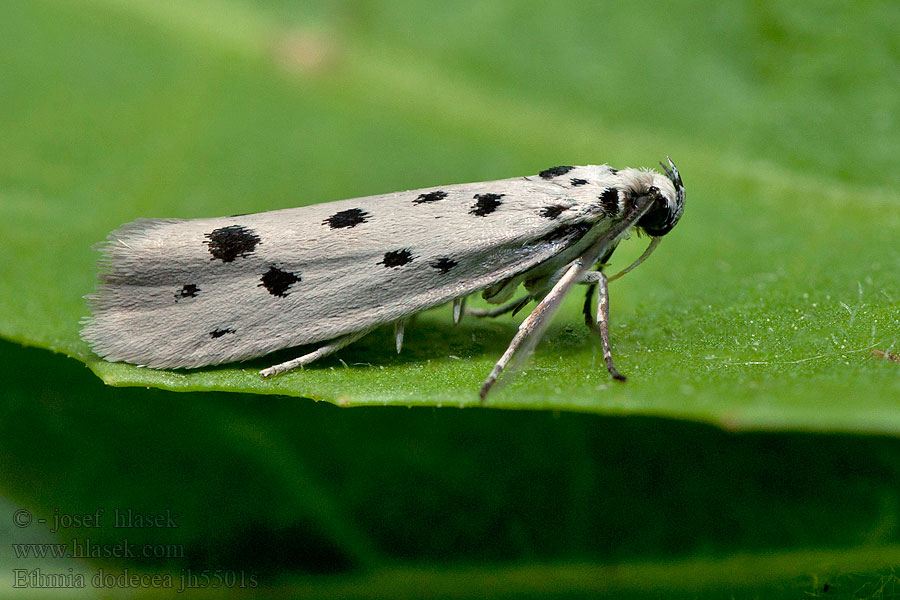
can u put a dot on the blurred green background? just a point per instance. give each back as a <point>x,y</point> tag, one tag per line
<point>753,453</point>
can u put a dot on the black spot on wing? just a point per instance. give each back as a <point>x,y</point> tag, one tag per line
<point>430,197</point>
<point>554,172</point>
<point>217,333</point>
<point>485,204</point>
<point>570,233</point>
<point>397,258</point>
<point>552,212</point>
<point>610,201</point>
<point>277,282</point>
<point>443,264</point>
<point>613,171</point>
<point>188,291</point>
<point>227,243</point>
<point>578,181</point>
<point>347,218</point>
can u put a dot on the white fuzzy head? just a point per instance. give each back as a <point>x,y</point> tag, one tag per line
<point>669,205</point>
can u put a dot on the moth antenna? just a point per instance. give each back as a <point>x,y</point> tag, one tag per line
<point>666,168</point>
<point>653,244</point>
<point>399,328</point>
<point>675,177</point>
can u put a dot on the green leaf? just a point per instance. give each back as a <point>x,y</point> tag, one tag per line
<point>769,296</point>
<point>760,312</point>
<point>316,501</point>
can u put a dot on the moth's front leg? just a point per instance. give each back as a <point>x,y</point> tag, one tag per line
<point>531,328</point>
<point>596,280</point>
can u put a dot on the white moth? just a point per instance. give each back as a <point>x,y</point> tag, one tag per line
<point>176,293</point>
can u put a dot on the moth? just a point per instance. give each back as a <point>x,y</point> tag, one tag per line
<point>187,293</point>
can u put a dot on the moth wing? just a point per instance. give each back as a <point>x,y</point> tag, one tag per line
<point>188,293</point>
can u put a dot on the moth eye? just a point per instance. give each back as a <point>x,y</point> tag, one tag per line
<point>661,217</point>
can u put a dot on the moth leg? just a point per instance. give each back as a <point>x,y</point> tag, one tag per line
<point>600,326</point>
<point>514,307</point>
<point>591,279</point>
<point>459,307</point>
<point>534,323</point>
<point>399,327</point>
<point>587,308</point>
<point>316,354</point>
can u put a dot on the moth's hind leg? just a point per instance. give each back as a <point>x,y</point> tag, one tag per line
<point>304,360</point>
<point>514,307</point>
<point>596,280</point>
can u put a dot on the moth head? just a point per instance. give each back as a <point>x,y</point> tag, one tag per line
<point>668,204</point>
